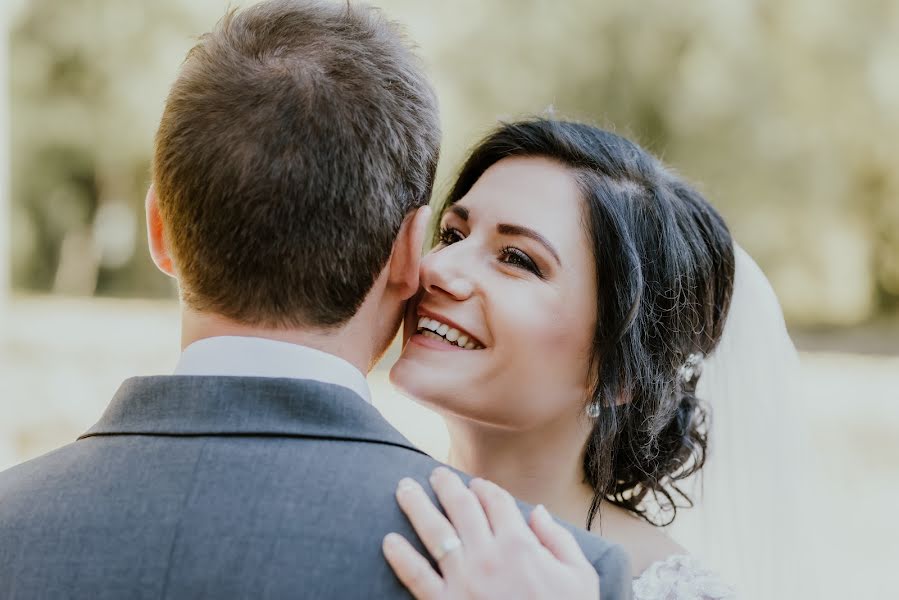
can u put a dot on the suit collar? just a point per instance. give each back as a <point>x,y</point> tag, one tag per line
<point>235,356</point>
<point>249,406</point>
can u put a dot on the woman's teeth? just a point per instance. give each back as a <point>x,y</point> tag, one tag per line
<point>437,330</point>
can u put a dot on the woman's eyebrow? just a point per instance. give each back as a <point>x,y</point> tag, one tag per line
<point>459,211</point>
<point>507,229</point>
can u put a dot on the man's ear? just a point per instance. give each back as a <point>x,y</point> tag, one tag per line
<point>159,250</point>
<point>406,257</point>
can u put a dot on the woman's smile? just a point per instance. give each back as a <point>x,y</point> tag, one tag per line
<point>447,333</point>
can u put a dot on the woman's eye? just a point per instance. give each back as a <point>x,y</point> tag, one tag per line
<point>516,257</point>
<point>449,236</point>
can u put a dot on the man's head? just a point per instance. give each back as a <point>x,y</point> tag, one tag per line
<point>296,139</point>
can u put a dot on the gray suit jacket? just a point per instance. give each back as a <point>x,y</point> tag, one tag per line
<point>222,487</point>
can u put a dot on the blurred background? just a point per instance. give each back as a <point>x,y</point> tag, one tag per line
<point>785,112</point>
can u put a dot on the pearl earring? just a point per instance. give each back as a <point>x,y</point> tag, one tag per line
<point>593,409</point>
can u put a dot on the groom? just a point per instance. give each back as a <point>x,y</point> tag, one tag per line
<point>293,165</point>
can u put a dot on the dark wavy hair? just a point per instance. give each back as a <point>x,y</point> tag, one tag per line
<point>665,272</point>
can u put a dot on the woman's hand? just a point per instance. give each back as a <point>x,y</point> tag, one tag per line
<point>485,550</point>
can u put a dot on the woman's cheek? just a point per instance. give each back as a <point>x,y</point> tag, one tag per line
<point>565,351</point>
<point>561,333</point>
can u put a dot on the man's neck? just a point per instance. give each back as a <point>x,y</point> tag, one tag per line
<point>343,342</point>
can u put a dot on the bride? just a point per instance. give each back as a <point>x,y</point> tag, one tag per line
<point>566,312</point>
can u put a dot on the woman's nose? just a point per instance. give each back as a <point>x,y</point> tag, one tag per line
<point>444,272</point>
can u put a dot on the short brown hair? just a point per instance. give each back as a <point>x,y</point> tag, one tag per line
<point>293,143</point>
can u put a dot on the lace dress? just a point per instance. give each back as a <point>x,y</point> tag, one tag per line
<point>680,577</point>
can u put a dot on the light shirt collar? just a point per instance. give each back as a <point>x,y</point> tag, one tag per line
<point>231,356</point>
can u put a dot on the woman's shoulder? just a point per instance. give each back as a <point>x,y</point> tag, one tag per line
<point>681,576</point>
<point>660,567</point>
<point>644,543</point>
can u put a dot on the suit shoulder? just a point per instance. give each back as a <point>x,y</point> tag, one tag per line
<point>48,460</point>
<point>611,562</point>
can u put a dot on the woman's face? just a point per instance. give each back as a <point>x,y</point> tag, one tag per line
<point>513,281</point>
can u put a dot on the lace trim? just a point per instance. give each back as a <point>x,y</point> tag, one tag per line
<point>680,577</point>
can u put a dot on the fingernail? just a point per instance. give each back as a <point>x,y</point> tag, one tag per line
<point>541,513</point>
<point>391,541</point>
<point>438,473</point>
<point>478,482</point>
<point>407,484</point>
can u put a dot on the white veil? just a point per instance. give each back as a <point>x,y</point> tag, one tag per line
<point>745,524</point>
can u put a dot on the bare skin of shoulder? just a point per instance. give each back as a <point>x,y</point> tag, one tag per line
<point>645,543</point>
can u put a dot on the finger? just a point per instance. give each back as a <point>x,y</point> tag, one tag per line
<point>429,523</point>
<point>555,538</point>
<point>411,568</point>
<point>462,507</point>
<point>502,511</point>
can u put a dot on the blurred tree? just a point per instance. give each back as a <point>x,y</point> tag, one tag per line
<point>787,113</point>
<point>86,95</point>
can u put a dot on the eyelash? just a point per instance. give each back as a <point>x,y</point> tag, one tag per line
<point>514,256</point>
<point>446,233</point>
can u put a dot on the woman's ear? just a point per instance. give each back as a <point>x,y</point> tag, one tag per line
<point>405,260</point>
<point>159,250</point>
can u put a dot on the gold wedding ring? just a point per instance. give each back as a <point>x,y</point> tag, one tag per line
<point>447,546</point>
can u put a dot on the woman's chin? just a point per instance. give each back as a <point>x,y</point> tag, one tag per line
<point>413,368</point>
<point>395,376</point>
<point>426,377</point>
<point>423,382</point>
<point>405,376</point>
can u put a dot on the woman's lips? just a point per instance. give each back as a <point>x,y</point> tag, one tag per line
<point>433,344</point>
<point>443,326</point>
